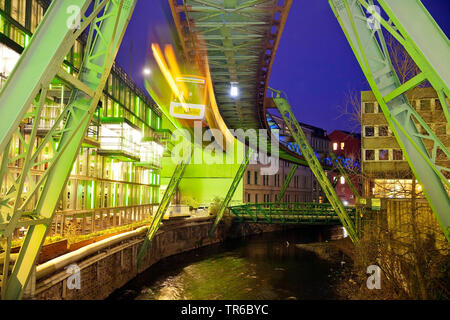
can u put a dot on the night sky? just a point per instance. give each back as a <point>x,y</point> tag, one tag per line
<point>314,64</point>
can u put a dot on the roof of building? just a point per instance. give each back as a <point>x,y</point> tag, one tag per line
<point>316,131</point>
<point>352,134</point>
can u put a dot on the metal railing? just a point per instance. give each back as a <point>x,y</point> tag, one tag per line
<point>82,222</point>
<point>294,212</point>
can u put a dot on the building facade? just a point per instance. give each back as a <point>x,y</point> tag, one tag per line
<point>116,177</point>
<point>385,170</point>
<point>303,187</point>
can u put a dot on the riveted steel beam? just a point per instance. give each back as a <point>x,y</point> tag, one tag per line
<point>237,179</point>
<point>287,182</point>
<point>163,206</point>
<point>297,133</point>
<point>107,23</point>
<point>415,29</point>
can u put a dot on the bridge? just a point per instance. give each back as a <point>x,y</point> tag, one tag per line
<point>236,43</point>
<point>293,212</point>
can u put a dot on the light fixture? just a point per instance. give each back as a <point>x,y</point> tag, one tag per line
<point>234,90</point>
<point>147,71</point>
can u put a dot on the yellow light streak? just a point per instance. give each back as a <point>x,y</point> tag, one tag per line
<point>157,53</point>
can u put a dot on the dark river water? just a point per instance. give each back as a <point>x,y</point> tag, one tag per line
<point>263,267</point>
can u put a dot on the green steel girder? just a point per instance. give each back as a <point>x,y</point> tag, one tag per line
<point>299,136</point>
<point>239,39</point>
<point>287,181</point>
<point>163,206</point>
<point>237,179</point>
<point>300,213</point>
<point>107,24</point>
<point>415,29</point>
<point>36,67</point>
<point>262,208</point>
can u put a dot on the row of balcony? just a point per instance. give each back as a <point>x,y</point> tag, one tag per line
<point>117,137</point>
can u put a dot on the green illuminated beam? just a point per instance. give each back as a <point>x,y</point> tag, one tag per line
<point>287,182</point>
<point>372,54</point>
<point>163,206</point>
<point>104,39</point>
<point>299,136</point>
<point>38,64</point>
<point>425,42</point>
<point>237,179</point>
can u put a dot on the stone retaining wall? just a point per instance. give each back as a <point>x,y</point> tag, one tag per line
<point>111,268</point>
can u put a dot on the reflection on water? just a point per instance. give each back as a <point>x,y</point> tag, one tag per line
<point>267,266</point>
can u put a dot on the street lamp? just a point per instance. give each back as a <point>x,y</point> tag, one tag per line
<point>234,90</point>
<point>147,71</point>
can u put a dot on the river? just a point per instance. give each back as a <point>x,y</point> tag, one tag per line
<point>269,266</point>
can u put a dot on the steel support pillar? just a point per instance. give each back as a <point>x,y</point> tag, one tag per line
<point>287,182</point>
<point>299,136</point>
<point>414,28</point>
<point>107,22</point>
<point>163,206</point>
<point>237,179</point>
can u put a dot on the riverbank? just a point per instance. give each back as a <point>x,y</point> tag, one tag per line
<point>268,266</point>
<point>108,265</point>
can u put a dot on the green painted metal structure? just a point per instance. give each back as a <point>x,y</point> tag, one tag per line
<point>239,41</point>
<point>231,191</point>
<point>165,202</point>
<point>287,181</point>
<point>297,213</point>
<point>414,28</point>
<point>299,136</point>
<point>35,70</point>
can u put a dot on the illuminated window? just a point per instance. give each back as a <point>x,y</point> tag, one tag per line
<point>342,145</point>
<point>383,155</point>
<point>8,59</point>
<point>335,146</point>
<point>342,180</point>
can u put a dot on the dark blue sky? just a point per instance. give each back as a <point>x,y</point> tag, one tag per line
<point>314,64</point>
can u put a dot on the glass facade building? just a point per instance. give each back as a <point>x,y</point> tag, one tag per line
<point>110,185</point>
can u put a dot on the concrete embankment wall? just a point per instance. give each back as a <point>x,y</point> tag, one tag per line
<point>108,265</point>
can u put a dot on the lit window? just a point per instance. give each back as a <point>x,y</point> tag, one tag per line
<point>342,180</point>
<point>383,155</point>
<point>335,145</point>
<point>8,60</point>
<point>342,145</point>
